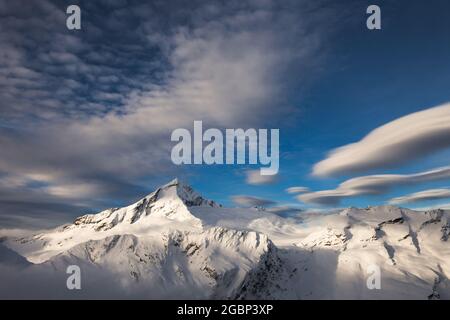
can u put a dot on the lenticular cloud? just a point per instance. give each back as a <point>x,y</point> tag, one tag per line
<point>397,142</point>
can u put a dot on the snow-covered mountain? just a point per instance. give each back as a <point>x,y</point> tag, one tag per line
<point>167,208</point>
<point>175,244</point>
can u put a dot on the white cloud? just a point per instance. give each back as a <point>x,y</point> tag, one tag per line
<point>432,194</point>
<point>405,139</point>
<point>250,201</point>
<point>74,190</point>
<point>254,177</point>
<point>443,206</point>
<point>294,190</point>
<point>373,184</point>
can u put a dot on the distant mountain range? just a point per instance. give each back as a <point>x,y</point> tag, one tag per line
<point>176,244</point>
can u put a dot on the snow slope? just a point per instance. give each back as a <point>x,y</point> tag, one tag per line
<point>410,248</point>
<point>207,264</point>
<point>175,244</point>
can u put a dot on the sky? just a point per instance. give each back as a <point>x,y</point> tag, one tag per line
<point>86,115</point>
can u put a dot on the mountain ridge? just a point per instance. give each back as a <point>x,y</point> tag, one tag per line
<point>185,246</point>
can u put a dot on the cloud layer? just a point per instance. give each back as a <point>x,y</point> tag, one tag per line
<point>400,141</point>
<point>87,116</point>
<point>372,185</point>
<point>432,194</point>
<point>250,201</point>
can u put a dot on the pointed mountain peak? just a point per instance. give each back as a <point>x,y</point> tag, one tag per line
<point>185,192</point>
<point>171,200</point>
<point>174,182</point>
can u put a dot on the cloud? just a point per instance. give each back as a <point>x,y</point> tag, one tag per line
<point>37,214</point>
<point>328,197</point>
<point>432,194</point>
<point>372,185</point>
<point>250,201</point>
<point>294,190</point>
<point>400,141</point>
<point>93,111</point>
<point>254,177</point>
<point>285,211</point>
<point>443,206</point>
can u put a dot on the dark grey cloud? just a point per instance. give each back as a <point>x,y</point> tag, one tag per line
<point>38,215</point>
<point>47,71</point>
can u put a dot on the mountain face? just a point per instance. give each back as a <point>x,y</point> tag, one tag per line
<point>175,244</point>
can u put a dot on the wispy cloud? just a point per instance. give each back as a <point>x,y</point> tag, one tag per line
<point>400,141</point>
<point>432,194</point>
<point>250,201</point>
<point>294,190</point>
<point>285,211</point>
<point>371,185</point>
<point>103,101</point>
<point>444,206</point>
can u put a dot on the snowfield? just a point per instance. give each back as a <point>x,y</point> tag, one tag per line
<point>176,244</point>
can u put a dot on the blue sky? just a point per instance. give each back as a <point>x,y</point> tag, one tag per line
<point>86,116</point>
<point>371,78</point>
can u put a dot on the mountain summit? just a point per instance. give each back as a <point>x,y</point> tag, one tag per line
<point>185,192</point>
<point>172,201</point>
